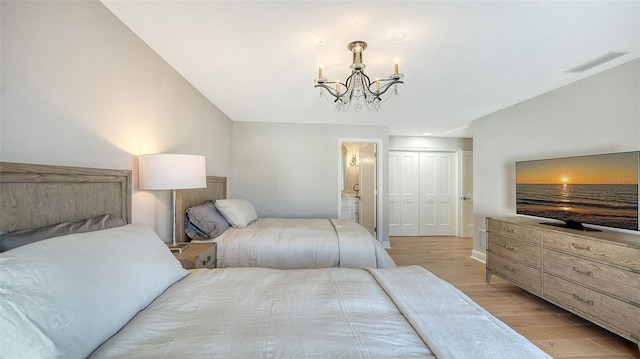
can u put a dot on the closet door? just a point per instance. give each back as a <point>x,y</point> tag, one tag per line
<point>404,212</point>
<point>437,194</point>
<point>409,194</point>
<point>394,193</point>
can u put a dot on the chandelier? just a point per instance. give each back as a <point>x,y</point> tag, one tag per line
<point>358,88</point>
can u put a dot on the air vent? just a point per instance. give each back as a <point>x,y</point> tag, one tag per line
<point>597,61</point>
<point>482,238</point>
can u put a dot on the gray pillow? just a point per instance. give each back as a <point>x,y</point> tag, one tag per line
<point>203,222</point>
<point>20,238</point>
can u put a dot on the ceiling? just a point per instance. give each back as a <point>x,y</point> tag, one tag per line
<point>256,60</point>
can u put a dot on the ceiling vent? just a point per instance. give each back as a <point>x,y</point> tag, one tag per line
<point>597,61</point>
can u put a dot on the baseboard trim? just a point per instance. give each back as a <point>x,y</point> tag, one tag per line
<point>479,256</point>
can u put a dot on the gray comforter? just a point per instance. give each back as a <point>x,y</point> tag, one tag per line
<point>321,313</point>
<point>289,243</point>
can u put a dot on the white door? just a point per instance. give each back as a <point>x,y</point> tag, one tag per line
<point>394,193</point>
<point>438,194</point>
<point>368,185</point>
<point>403,194</point>
<point>466,194</point>
<point>409,194</point>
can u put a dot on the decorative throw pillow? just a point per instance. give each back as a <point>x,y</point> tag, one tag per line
<point>63,297</point>
<point>203,222</point>
<point>238,212</point>
<point>20,238</point>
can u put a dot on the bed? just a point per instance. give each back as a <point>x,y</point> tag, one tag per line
<point>93,294</point>
<point>244,240</point>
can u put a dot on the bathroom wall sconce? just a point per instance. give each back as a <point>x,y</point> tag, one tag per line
<point>354,161</point>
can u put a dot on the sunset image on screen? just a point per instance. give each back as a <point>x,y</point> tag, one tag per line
<point>599,189</point>
<point>613,169</point>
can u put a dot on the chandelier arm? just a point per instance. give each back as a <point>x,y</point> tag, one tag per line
<point>386,87</point>
<point>330,90</point>
<point>367,84</point>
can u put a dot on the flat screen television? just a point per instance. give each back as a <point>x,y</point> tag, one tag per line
<point>601,190</point>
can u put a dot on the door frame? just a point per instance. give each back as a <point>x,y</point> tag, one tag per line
<point>379,183</point>
<point>466,227</point>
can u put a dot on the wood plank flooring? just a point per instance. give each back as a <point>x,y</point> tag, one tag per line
<point>558,332</point>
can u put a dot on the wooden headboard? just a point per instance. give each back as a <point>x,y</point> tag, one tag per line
<point>33,196</point>
<point>185,198</point>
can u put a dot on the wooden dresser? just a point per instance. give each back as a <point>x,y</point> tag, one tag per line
<point>595,275</point>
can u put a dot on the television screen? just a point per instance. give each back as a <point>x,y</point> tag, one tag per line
<point>598,189</point>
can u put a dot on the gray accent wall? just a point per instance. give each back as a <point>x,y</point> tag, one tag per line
<point>80,89</point>
<point>599,114</point>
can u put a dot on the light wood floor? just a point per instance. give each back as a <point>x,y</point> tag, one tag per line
<point>558,332</point>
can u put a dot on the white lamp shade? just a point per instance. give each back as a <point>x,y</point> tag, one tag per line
<point>172,171</point>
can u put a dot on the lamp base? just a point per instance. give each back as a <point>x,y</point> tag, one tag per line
<point>178,248</point>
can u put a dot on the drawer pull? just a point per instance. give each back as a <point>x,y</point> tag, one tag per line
<point>509,268</point>
<point>511,248</point>
<point>588,273</point>
<point>577,246</point>
<point>510,230</point>
<point>587,301</point>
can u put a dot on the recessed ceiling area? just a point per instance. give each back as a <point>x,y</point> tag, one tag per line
<point>461,60</point>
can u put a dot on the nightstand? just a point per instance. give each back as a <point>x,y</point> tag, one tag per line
<point>198,255</point>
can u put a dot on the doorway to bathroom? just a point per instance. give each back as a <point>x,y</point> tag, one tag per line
<point>359,183</point>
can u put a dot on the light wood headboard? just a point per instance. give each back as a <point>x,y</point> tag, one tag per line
<point>185,198</point>
<point>33,195</point>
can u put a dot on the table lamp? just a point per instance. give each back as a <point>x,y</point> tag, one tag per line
<point>172,172</point>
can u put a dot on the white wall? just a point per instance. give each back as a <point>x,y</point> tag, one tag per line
<point>291,170</point>
<point>80,89</point>
<point>599,114</point>
<point>411,143</point>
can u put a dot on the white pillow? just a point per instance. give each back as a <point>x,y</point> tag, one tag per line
<point>64,296</point>
<point>238,212</point>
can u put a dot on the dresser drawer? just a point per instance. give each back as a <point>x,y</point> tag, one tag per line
<point>604,278</point>
<point>607,252</point>
<point>515,231</point>
<point>516,249</point>
<point>599,307</point>
<point>517,272</point>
